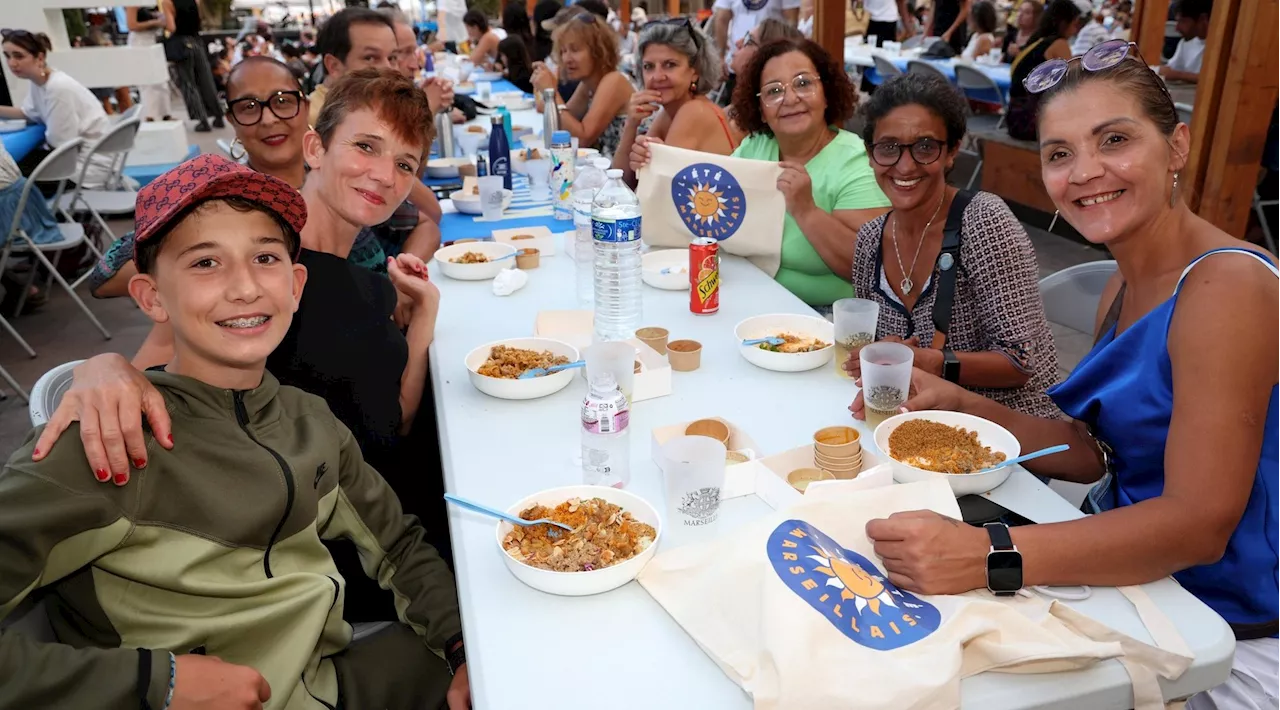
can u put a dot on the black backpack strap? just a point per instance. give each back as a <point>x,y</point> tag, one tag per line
<point>948,265</point>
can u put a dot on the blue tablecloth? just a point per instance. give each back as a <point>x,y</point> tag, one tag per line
<point>530,213</point>
<point>20,143</point>
<point>146,173</point>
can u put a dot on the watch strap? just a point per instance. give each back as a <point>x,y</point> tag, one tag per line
<point>950,365</point>
<point>458,655</point>
<point>1000,537</point>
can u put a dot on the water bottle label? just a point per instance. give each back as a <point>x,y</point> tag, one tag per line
<point>618,231</point>
<point>500,166</point>
<point>604,418</point>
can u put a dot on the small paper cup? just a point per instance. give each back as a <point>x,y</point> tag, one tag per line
<point>800,478</point>
<point>684,355</point>
<point>528,258</point>
<point>655,338</point>
<point>713,428</point>
<point>735,457</point>
<point>837,442</point>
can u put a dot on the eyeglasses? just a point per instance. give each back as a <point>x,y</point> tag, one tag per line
<point>923,151</point>
<point>749,41</point>
<point>248,111</point>
<point>772,94</point>
<point>1101,56</point>
<point>687,25</point>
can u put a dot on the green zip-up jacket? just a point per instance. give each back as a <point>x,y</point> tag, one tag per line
<point>215,545</point>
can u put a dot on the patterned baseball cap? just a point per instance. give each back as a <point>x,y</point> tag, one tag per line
<point>207,177</point>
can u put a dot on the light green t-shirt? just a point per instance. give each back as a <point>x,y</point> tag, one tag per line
<point>842,180</point>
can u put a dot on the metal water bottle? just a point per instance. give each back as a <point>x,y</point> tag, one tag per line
<point>550,116</point>
<point>444,134</point>
<point>499,151</point>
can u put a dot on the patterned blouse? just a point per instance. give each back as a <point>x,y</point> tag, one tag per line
<point>997,306</point>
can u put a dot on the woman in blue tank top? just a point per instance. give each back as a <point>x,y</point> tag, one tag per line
<point>1174,409</point>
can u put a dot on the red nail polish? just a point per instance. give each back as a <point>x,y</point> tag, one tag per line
<point>121,479</point>
<point>169,437</point>
<point>139,463</point>
<point>102,475</point>
<point>36,452</point>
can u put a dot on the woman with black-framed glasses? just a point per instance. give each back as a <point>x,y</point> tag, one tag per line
<point>997,340</point>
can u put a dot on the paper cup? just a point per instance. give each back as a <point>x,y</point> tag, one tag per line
<point>735,457</point>
<point>837,442</point>
<point>528,258</point>
<point>713,428</point>
<point>684,355</point>
<point>693,474</point>
<point>800,478</point>
<point>655,338</point>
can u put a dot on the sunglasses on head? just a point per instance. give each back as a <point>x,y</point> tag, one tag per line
<point>6,34</point>
<point>687,24</point>
<point>1100,57</point>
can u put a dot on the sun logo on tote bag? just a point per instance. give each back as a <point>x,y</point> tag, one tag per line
<point>848,589</point>
<point>709,200</point>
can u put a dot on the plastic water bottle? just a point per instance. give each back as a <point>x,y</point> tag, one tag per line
<point>588,181</point>
<point>606,435</point>
<point>615,231</point>
<point>499,151</point>
<point>563,159</point>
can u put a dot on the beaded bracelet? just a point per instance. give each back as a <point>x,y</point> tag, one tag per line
<point>173,677</point>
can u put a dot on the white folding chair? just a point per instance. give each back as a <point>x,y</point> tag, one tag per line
<point>134,111</point>
<point>60,165</point>
<point>48,391</point>
<point>1071,295</point>
<point>885,68</point>
<point>117,142</point>
<point>919,66</point>
<point>973,79</point>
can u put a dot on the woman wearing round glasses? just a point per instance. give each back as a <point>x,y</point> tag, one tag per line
<point>998,342</point>
<point>679,66</point>
<point>1173,412</point>
<point>791,101</point>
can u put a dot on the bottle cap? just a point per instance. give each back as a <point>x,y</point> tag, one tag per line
<point>561,137</point>
<point>603,382</point>
<point>614,173</point>
<point>496,119</point>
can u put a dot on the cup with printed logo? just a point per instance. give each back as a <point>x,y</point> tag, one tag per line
<point>886,380</point>
<point>693,477</point>
<point>491,196</point>
<point>855,321</point>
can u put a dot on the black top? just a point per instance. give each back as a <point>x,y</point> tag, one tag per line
<point>186,18</point>
<point>1021,117</point>
<point>147,14</point>
<point>344,347</point>
<point>945,13</point>
<point>522,78</point>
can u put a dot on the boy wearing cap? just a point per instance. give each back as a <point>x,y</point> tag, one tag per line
<point>206,584</point>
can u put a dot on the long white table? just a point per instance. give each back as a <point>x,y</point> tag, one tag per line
<point>527,649</point>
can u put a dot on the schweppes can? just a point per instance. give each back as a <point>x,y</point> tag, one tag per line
<point>704,276</point>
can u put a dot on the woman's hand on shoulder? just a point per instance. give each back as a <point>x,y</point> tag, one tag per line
<point>108,396</point>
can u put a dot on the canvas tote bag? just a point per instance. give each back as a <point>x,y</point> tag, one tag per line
<point>686,194</point>
<point>798,612</point>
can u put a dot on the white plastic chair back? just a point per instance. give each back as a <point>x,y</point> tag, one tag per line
<point>916,66</point>
<point>885,68</point>
<point>59,165</point>
<point>1071,296</point>
<point>49,390</point>
<point>971,79</point>
<point>117,141</point>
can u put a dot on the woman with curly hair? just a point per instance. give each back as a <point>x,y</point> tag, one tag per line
<point>998,341</point>
<point>791,101</point>
<point>679,65</point>
<point>586,49</point>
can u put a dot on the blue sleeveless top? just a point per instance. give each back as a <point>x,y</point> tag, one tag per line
<point>1124,390</point>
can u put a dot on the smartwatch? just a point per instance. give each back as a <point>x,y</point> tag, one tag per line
<point>950,366</point>
<point>1004,562</point>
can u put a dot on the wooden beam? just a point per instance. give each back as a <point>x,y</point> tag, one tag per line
<point>1149,18</point>
<point>1242,95</point>
<point>624,14</point>
<point>828,26</point>
<point>528,7</point>
<point>673,8</point>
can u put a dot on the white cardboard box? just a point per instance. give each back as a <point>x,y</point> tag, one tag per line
<point>739,478</point>
<point>543,240</point>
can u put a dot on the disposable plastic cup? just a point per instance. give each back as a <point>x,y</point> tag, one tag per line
<point>693,476</point>
<point>886,380</point>
<point>491,196</point>
<point>855,321</point>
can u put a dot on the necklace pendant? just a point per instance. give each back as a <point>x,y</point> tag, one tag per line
<point>907,284</point>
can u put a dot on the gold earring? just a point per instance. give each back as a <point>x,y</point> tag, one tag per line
<point>1173,194</point>
<point>231,150</point>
